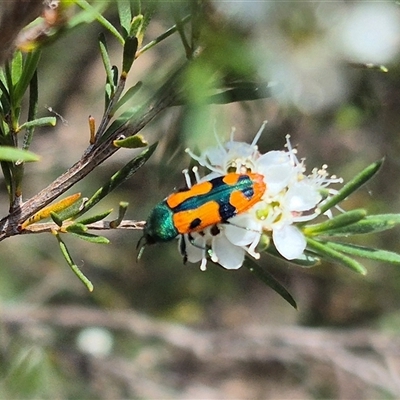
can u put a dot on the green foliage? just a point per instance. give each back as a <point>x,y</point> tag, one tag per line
<point>348,224</point>
<point>8,153</point>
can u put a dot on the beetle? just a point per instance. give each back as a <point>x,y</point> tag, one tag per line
<point>203,205</point>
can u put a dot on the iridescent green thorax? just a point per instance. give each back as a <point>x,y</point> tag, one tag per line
<point>159,226</point>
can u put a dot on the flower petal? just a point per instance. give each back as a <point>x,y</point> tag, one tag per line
<point>289,241</point>
<point>242,230</point>
<point>228,255</point>
<point>277,170</point>
<point>194,253</point>
<point>302,196</point>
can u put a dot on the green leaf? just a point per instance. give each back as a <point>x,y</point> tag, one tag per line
<point>106,59</point>
<point>76,228</point>
<point>329,253</point>
<point>94,14</point>
<point>130,47</point>
<point>269,280</point>
<point>121,120</point>
<point>95,218</point>
<point>114,72</point>
<point>337,222</point>
<point>123,206</point>
<point>44,121</point>
<point>29,68</point>
<point>128,95</point>
<point>108,93</point>
<point>8,153</point>
<point>119,177</point>
<point>352,186</point>
<point>16,67</point>
<point>365,252</point>
<point>89,237</point>
<point>125,15</point>
<point>87,16</point>
<point>73,266</point>
<point>131,142</point>
<point>57,220</point>
<point>135,28</point>
<point>32,111</point>
<point>137,25</point>
<point>5,97</point>
<point>8,179</point>
<point>246,92</point>
<point>370,224</point>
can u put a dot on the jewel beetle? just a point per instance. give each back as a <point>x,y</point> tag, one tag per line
<point>203,205</point>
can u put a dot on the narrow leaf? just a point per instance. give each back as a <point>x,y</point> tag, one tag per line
<point>8,153</point>
<point>269,280</point>
<point>52,208</point>
<point>335,223</point>
<point>29,68</point>
<point>100,18</point>
<point>136,26</point>
<point>73,266</point>
<point>32,111</point>
<point>131,142</point>
<point>4,99</point>
<point>366,252</point>
<point>45,121</point>
<point>350,187</point>
<point>119,177</point>
<point>95,218</point>
<point>72,210</point>
<point>106,60</point>
<point>89,237</point>
<point>130,47</point>
<point>370,224</point>
<point>128,95</point>
<point>8,179</point>
<point>125,15</point>
<point>16,67</point>
<point>76,228</point>
<point>123,206</point>
<point>326,252</point>
<point>166,34</point>
<point>121,120</point>
<point>86,16</point>
<point>57,220</point>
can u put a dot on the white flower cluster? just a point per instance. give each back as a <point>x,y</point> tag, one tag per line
<point>290,197</point>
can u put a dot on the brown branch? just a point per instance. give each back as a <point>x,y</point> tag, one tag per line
<point>94,156</point>
<point>47,227</point>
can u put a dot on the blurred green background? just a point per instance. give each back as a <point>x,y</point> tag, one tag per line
<point>160,329</point>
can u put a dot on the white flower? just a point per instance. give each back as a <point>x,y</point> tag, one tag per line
<point>291,196</point>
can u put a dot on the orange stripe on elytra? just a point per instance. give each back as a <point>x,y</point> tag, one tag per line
<point>207,213</point>
<point>241,202</point>
<point>231,179</point>
<point>175,199</point>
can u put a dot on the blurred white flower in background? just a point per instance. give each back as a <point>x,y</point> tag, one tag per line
<point>95,341</point>
<point>370,32</point>
<point>305,48</point>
